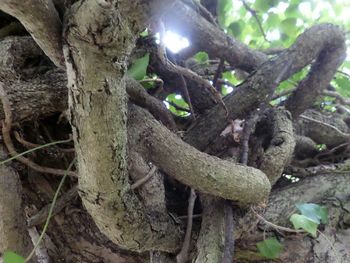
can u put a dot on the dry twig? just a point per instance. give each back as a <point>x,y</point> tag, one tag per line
<point>144,179</point>
<point>183,255</point>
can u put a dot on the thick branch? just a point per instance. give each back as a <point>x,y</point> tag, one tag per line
<point>210,242</point>
<point>330,130</point>
<point>207,37</point>
<point>41,20</point>
<point>44,95</point>
<point>203,172</point>
<point>280,151</point>
<point>260,86</point>
<point>100,39</point>
<point>331,55</point>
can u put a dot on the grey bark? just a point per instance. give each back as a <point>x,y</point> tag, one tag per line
<point>43,23</point>
<point>260,86</point>
<point>98,106</point>
<point>199,170</point>
<point>13,228</point>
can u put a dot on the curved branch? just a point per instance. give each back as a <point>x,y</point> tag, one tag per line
<point>282,144</point>
<point>140,96</point>
<point>199,170</point>
<point>260,86</point>
<point>323,129</point>
<point>41,20</point>
<point>331,54</point>
<point>206,36</point>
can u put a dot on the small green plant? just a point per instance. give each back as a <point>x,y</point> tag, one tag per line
<point>138,70</point>
<point>201,57</point>
<point>12,257</point>
<point>270,248</point>
<point>311,217</point>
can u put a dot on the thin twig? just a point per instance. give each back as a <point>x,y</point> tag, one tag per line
<point>48,135</point>
<point>329,152</point>
<point>218,74</point>
<point>186,216</point>
<point>188,74</point>
<point>175,68</point>
<point>337,96</point>
<point>50,211</point>
<point>343,73</point>
<point>177,107</point>
<point>204,12</point>
<point>229,238</point>
<point>327,125</point>
<point>285,229</point>
<point>187,96</point>
<point>183,255</point>
<point>25,143</point>
<point>31,145</point>
<point>227,83</point>
<point>144,179</point>
<point>255,15</point>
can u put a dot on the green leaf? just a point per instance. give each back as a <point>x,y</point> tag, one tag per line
<point>273,20</point>
<point>264,5</point>
<point>303,222</point>
<point>12,257</point>
<point>230,76</point>
<point>343,84</point>
<point>293,11</point>
<point>201,57</point>
<point>314,212</point>
<point>224,8</point>
<point>288,26</point>
<point>139,68</point>
<point>270,248</point>
<point>235,29</point>
<point>144,33</point>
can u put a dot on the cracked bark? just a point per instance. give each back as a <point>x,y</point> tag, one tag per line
<point>98,103</point>
<point>98,106</point>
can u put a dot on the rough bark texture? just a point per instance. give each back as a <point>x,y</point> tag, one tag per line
<point>282,144</point>
<point>98,105</point>
<point>44,24</point>
<point>13,230</point>
<point>201,171</point>
<point>116,218</point>
<point>210,242</point>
